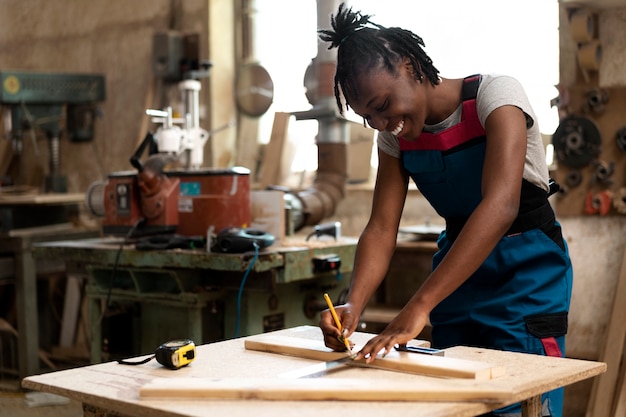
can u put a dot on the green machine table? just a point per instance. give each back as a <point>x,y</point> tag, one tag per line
<point>198,295</point>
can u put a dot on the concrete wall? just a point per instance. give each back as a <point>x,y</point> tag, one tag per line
<point>114,38</point>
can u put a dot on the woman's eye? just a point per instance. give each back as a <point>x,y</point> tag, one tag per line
<point>382,107</point>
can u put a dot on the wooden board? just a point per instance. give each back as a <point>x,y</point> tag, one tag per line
<point>605,386</point>
<point>620,394</point>
<point>440,366</point>
<point>272,160</point>
<point>41,199</point>
<point>247,154</point>
<point>335,389</point>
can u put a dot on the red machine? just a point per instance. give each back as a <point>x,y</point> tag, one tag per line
<point>183,202</point>
<point>213,198</point>
<point>190,201</point>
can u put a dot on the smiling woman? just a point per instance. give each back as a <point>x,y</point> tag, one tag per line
<point>501,277</point>
<point>462,37</point>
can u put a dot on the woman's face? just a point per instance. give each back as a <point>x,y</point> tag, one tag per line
<point>389,102</point>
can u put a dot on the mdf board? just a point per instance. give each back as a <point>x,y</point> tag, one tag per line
<point>396,361</point>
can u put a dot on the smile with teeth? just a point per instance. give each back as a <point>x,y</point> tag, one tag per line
<point>398,128</point>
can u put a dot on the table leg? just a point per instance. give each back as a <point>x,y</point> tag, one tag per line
<point>95,320</point>
<point>532,407</point>
<point>26,306</point>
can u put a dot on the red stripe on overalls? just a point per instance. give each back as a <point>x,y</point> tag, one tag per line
<point>469,128</point>
<point>551,347</point>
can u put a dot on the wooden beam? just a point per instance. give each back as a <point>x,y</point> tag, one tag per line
<point>604,387</point>
<point>313,389</point>
<point>394,361</point>
<point>620,397</point>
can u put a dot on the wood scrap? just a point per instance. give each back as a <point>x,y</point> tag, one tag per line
<point>41,199</point>
<point>71,306</point>
<point>153,85</point>
<point>41,230</point>
<point>6,149</point>
<point>247,154</point>
<point>272,160</point>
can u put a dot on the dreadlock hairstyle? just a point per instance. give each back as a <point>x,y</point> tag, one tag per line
<point>362,45</point>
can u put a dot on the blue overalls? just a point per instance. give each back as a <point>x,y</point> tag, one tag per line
<point>519,298</point>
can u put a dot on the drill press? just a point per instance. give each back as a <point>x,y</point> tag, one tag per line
<point>40,101</point>
<point>188,200</point>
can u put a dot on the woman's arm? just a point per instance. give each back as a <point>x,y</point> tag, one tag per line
<point>374,250</point>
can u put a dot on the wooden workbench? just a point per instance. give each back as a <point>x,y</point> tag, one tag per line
<point>110,387</point>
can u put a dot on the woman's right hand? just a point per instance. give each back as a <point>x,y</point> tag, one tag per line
<point>333,338</point>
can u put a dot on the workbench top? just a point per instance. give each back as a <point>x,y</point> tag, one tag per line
<point>113,387</point>
<point>291,258</point>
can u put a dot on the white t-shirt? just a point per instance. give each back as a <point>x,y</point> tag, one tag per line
<point>494,91</point>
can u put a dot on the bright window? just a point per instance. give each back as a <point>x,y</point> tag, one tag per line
<point>462,37</point>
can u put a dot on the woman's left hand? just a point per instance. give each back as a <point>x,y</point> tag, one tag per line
<point>403,328</point>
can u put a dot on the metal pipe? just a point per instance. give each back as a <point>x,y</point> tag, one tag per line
<point>328,189</point>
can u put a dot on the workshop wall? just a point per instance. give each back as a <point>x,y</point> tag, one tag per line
<point>113,38</point>
<point>593,175</point>
<point>589,142</point>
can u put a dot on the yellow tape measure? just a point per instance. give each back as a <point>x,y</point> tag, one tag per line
<point>173,354</point>
<point>176,353</point>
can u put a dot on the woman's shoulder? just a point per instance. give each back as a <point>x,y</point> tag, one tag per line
<point>498,90</point>
<point>499,84</point>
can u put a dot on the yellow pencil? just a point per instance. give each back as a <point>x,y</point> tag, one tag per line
<point>337,321</point>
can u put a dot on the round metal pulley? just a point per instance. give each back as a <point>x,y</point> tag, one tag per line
<point>576,141</point>
<point>596,100</point>
<point>254,90</point>
<point>603,172</point>
<point>574,178</point>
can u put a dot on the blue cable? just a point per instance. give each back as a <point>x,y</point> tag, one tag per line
<point>243,282</point>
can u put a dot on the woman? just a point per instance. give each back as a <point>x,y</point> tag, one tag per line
<point>502,276</point>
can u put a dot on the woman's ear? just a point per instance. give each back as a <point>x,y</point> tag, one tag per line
<point>406,62</point>
<point>408,66</point>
